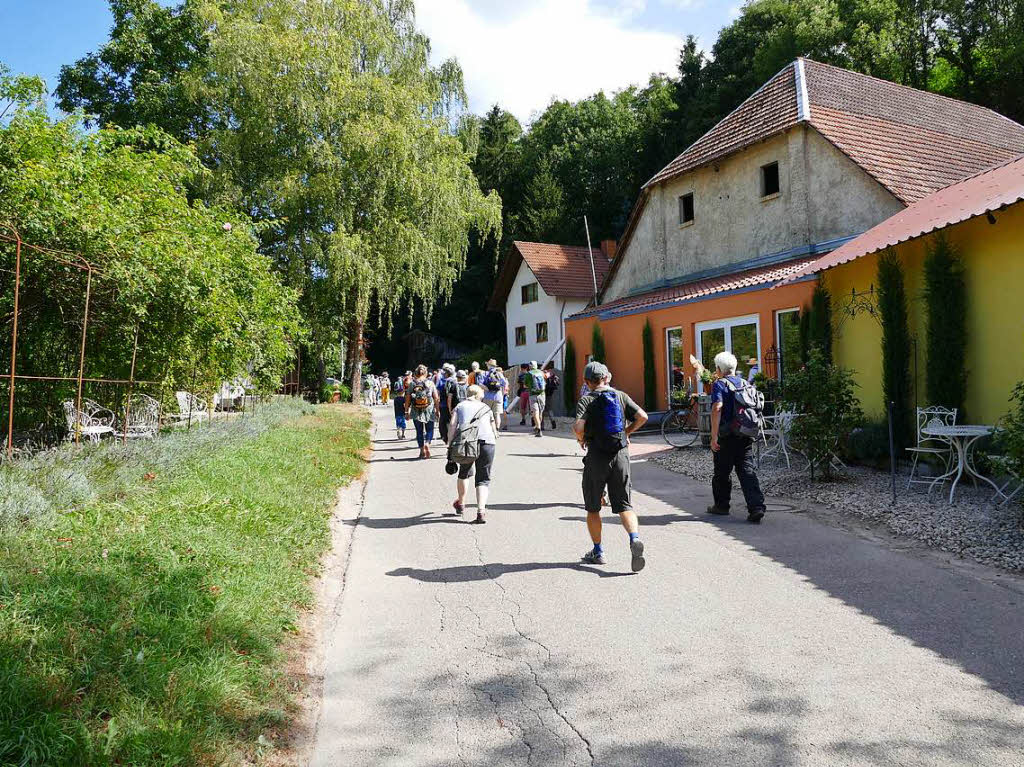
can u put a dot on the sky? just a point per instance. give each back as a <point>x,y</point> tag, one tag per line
<point>521,54</point>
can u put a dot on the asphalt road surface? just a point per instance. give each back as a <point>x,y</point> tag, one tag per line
<point>794,642</point>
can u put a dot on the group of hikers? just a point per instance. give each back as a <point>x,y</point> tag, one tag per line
<point>467,408</point>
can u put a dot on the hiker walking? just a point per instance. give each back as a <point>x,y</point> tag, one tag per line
<point>522,394</point>
<point>493,382</point>
<point>605,418</point>
<point>385,387</point>
<point>471,445</point>
<point>535,384</point>
<point>444,413</point>
<point>735,422</point>
<point>399,403</point>
<point>551,384</point>
<point>421,403</point>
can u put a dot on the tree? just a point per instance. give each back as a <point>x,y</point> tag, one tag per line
<point>597,343</point>
<point>571,387</point>
<point>945,294</point>
<point>184,277</point>
<point>650,380</point>
<point>820,321</point>
<point>896,354</point>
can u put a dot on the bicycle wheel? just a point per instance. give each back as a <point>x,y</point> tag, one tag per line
<point>679,428</point>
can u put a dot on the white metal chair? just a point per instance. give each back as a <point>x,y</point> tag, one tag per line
<point>93,421</point>
<point>143,418</point>
<point>190,407</point>
<point>776,436</point>
<point>926,445</point>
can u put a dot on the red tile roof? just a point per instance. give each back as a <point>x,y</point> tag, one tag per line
<point>985,192</point>
<point>563,271</point>
<point>911,141</point>
<point>701,288</point>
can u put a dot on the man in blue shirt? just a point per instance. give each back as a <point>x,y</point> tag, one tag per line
<point>731,450</point>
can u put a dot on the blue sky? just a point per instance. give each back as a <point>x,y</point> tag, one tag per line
<point>519,53</point>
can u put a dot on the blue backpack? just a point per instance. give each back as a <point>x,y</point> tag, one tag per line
<point>607,422</point>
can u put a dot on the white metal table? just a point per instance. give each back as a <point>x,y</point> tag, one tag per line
<point>962,438</point>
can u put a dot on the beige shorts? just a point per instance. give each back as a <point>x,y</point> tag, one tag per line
<point>537,402</point>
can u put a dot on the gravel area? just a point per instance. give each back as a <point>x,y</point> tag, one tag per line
<point>972,528</point>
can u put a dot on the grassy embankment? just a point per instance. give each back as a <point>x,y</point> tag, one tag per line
<point>145,593</point>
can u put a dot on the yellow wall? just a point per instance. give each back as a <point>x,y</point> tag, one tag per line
<point>993,256</point>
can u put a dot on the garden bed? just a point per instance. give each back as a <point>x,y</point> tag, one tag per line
<point>972,528</point>
<point>145,592</point>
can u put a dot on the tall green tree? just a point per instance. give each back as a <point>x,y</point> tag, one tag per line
<point>650,375</point>
<point>945,295</point>
<point>896,354</point>
<point>597,350</point>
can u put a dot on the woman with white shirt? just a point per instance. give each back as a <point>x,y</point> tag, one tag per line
<point>487,434</point>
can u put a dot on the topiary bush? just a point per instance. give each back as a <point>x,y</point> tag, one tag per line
<point>569,374</point>
<point>597,350</point>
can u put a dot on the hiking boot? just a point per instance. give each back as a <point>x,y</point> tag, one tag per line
<point>592,558</point>
<point>479,520</point>
<point>717,511</point>
<point>538,433</point>
<point>459,508</point>
<point>755,516</point>
<point>554,425</point>
<point>636,548</point>
<point>523,422</point>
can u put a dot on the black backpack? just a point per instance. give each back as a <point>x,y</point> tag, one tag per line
<point>458,391</point>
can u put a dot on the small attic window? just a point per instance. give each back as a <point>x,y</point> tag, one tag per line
<point>529,293</point>
<point>770,179</point>
<point>686,209</point>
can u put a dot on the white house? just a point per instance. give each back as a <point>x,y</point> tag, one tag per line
<point>538,287</point>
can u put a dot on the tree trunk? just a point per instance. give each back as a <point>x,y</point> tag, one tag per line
<point>356,355</point>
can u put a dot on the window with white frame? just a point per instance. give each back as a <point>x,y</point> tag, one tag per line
<point>787,333</point>
<point>521,335</point>
<point>676,367</point>
<point>740,335</point>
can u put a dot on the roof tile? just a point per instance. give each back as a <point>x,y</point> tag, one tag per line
<point>563,270</point>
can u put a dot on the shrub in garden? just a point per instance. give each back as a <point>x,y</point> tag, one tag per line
<point>869,443</point>
<point>820,321</point>
<point>822,393</point>
<point>1010,439</point>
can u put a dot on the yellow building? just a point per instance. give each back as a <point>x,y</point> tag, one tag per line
<point>983,218</point>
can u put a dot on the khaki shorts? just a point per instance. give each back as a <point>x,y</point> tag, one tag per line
<point>537,402</point>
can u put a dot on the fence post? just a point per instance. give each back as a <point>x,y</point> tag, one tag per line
<point>14,346</point>
<point>892,451</point>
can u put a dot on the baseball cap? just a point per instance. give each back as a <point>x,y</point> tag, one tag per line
<point>595,371</point>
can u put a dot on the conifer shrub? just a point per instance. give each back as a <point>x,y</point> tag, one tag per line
<point>650,383</point>
<point>892,307</point>
<point>945,293</point>
<point>597,344</point>
<point>569,374</point>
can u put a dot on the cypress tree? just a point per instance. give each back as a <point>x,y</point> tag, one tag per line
<point>650,387</point>
<point>597,344</point>
<point>821,321</point>
<point>805,334</point>
<point>571,386</point>
<point>945,295</point>
<point>892,306</point>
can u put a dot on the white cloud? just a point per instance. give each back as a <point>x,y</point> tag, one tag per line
<point>521,54</point>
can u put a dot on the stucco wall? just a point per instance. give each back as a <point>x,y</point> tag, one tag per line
<point>545,309</point>
<point>993,257</point>
<point>624,345</point>
<point>823,195</point>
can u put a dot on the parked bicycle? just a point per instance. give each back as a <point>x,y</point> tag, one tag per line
<point>681,426</point>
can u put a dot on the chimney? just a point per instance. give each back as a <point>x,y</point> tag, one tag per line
<point>608,247</point>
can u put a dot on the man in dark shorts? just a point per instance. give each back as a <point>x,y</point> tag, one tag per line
<point>605,418</point>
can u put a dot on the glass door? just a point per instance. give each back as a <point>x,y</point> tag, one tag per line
<point>740,335</point>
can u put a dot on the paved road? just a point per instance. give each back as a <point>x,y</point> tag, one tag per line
<point>789,643</point>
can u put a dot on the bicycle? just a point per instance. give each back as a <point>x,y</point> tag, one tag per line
<point>681,426</point>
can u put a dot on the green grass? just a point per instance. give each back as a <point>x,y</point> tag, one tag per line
<point>145,626</point>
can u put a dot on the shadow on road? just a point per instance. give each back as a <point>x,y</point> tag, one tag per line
<point>466,573</point>
<point>533,506</point>
<point>392,523</point>
<point>977,624</point>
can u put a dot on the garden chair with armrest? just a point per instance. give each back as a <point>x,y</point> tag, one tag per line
<point>931,446</point>
<point>93,421</point>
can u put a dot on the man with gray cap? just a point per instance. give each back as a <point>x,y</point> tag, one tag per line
<point>604,420</point>
<point>444,414</point>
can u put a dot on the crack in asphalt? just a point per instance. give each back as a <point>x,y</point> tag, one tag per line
<point>533,671</point>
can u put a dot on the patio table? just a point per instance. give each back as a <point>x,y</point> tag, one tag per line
<point>963,438</point>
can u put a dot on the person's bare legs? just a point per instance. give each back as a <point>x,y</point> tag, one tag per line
<point>462,485</point>
<point>594,526</point>
<point>482,491</point>
<point>629,521</point>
